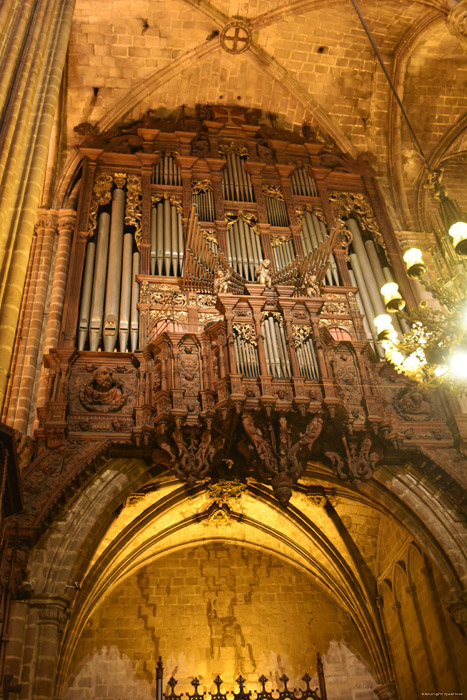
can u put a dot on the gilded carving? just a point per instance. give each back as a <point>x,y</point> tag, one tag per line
<point>120,180</point>
<point>346,204</point>
<point>312,209</point>
<point>133,206</point>
<point>278,239</point>
<point>103,393</point>
<point>210,235</point>
<point>199,186</point>
<point>221,281</point>
<point>232,147</point>
<point>263,273</point>
<point>246,331</point>
<point>173,199</point>
<point>301,333</point>
<point>223,491</point>
<point>101,194</point>
<point>273,191</point>
<point>276,315</point>
<point>233,217</point>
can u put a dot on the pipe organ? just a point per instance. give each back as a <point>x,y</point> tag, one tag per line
<point>108,314</point>
<point>167,246</point>
<point>313,233</point>
<point>239,252</point>
<point>167,171</point>
<point>302,183</point>
<point>236,182</point>
<point>244,244</point>
<point>276,208</point>
<point>203,199</point>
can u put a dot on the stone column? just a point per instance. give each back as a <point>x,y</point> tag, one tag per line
<point>386,691</point>
<point>36,34</point>
<point>65,228</point>
<point>31,330</point>
<point>52,617</point>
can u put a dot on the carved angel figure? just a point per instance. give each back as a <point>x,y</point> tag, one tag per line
<point>311,285</point>
<point>263,273</point>
<point>221,282</point>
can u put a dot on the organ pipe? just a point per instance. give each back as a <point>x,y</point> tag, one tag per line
<point>167,172</point>
<point>167,241</point>
<point>370,312</point>
<point>134,318</point>
<point>283,254</point>
<point>366,269</point>
<point>275,347</point>
<point>276,211</point>
<point>313,233</point>
<point>303,184</point>
<point>245,251</point>
<point>307,360</point>
<point>86,293</point>
<point>98,285</point>
<point>236,183</point>
<point>114,270</point>
<point>125,296</point>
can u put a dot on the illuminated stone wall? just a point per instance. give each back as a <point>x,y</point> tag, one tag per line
<point>217,609</point>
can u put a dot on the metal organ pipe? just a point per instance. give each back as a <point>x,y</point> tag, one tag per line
<point>134,317</point>
<point>125,297</point>
<point>370,312</point>
<point>86,292</point>
<point>114,270</point>
<point>98,285</point>
<point>303,184</point>
<point>366,271</point>
<point>167,236</point>
<point>236,183</point>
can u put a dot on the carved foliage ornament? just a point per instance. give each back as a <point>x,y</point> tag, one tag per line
<point>173,199</point>
<point>101,194</point>
<point>246,332</point>
<point>232,147</point>
<point>233,217</point>
<point>199,186</point>
<point>312,209</point>
<point>273,191</point>
<point>345,204</point>
<point>223,491</point>
<point>133,206</point>
<point>301,334</point>
<point>276,315</point>
<point>278,239</point>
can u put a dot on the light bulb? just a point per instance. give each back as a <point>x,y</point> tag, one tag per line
<point>458,364</point>
<point>415,265</point>
<point>392,298</point>
<point>458,232</point>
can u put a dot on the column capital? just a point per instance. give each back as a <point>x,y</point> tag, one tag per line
<point>46,219</point>
<point>51,610</point>
<point>66,221</point>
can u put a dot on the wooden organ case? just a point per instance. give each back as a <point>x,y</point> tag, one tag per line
<point>191,332</point>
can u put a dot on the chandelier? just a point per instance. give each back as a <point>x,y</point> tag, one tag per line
<point>433,351</point>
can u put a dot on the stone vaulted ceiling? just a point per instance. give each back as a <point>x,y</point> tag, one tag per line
<point>306,60</point>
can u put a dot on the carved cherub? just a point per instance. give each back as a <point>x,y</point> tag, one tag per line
<point>263,273</point>
<point>221,282</point>
<point>311,285</point>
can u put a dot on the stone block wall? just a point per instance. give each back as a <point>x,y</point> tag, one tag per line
<point>217,609</point>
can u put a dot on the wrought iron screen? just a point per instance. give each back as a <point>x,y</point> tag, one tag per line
<point>285,693</point>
